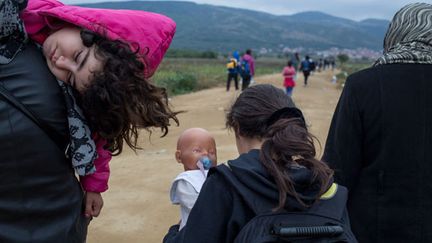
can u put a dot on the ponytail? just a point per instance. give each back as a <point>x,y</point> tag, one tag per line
<point>288,143</point>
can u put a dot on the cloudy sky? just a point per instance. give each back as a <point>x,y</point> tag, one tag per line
<point>352,9</point>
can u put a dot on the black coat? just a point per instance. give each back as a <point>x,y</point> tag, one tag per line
<point>379,145</point>
<point>220,212</point>
<point>40,197</point>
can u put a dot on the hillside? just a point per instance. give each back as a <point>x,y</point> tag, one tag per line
<point>208,27</point>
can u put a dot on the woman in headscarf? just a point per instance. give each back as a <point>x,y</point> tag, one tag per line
<point>381,135</point>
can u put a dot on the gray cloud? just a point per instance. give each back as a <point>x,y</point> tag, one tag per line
<point>352,9</point>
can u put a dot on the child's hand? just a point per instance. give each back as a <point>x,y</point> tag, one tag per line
<point>94,204</point>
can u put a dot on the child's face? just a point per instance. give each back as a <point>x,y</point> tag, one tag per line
<point>192,146</point>
<point>69,59</point>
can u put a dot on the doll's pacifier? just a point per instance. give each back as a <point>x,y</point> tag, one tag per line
<point>206,162</point>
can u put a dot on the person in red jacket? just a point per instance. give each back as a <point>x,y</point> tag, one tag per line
<point>289,74</point>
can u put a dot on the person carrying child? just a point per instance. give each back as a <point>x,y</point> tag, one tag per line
<point>196,150</point>
<point>289,74</point>
<point>276,181</point>
<point>107,56</point>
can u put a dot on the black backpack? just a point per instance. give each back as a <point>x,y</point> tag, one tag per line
<point>326,221</point>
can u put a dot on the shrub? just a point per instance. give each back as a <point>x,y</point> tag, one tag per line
<point>177,82</point>
<point>350,68</point>
<point>179,53</point>
<point>342,58</point>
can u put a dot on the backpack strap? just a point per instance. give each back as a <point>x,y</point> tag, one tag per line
<point>331,204</point>
<point>52,134</point>
<point>330,193</point>
<point>238,186</point>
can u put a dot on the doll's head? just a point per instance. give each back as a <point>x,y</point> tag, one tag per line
<point>193,145</point>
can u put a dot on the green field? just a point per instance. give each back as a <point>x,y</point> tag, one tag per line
<point>184,75</point>
<point>350,68</point>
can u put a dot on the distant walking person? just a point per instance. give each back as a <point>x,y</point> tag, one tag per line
<point>289,73</point>
<point>232,69</point>
<point>236,55</point>
<point>296,61</point>
<point>305,67</point>
<point>380,137</point>
<point>332,63</point>
<point>247,67</point>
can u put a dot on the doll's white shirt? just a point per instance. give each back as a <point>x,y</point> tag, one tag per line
<point>184,191</point>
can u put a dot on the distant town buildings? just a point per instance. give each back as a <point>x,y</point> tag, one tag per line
<point>358,53</point>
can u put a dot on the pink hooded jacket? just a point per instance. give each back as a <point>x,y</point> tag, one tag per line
<point>98,181</point>
<point>151,32</point>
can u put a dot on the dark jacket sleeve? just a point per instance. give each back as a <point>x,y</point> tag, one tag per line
<point>34,173</point>
<point>210,217</point>
<point>343,150</point>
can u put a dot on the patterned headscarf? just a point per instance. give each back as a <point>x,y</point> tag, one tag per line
<point>409,36</point>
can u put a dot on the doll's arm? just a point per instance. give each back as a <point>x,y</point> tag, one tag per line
<point>186,194</point>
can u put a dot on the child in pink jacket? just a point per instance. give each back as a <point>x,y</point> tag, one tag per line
<point>107,56</point>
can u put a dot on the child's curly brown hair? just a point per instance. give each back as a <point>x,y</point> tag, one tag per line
<point>119,100</point>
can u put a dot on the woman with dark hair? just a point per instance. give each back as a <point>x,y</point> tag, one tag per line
<point>276,172</point>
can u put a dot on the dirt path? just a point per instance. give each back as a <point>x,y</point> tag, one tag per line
<point>137,206</point>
